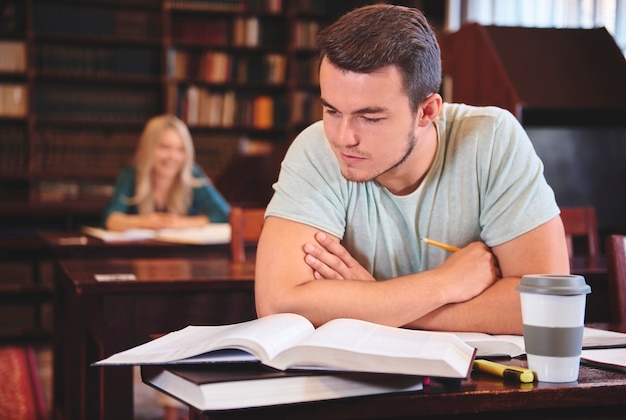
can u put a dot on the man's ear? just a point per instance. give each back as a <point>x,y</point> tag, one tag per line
<point>429,109</point>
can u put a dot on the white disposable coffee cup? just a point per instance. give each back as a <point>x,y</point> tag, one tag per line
<point>553,314</point>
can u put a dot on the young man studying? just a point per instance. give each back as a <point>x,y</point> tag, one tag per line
<point>389,165</point>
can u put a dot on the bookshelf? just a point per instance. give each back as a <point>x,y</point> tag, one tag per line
<point>78,80</point>
<point>14,81</point>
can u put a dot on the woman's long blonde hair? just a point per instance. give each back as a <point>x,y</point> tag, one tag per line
<point>179,198</point>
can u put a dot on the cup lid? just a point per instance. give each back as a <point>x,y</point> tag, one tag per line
<point>554,284</point>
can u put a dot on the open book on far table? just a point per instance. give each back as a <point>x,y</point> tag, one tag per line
<point>290,342</point>
<point>211,234</point>
<point>513,345</point>
<point>242,385</point>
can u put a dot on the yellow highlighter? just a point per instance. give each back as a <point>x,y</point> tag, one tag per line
<point>516,373</point>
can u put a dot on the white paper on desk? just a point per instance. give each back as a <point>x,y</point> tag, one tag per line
<point>211,234</point>
<point>115,277</point>
<point>123,236</point>
<point>610,358</point>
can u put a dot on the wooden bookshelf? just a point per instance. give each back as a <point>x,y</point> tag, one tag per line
<point>79,79</point>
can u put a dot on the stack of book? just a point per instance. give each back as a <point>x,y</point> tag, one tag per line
<point>283,359</point>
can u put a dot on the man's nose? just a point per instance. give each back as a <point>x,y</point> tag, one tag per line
<point>346,135</point>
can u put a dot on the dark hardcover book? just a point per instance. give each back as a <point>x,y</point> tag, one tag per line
<point>243,385</point>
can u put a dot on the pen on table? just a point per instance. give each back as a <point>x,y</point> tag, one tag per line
<point>516,373</point>
<point>451,248</point>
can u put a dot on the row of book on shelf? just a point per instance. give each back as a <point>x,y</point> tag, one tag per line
<point>239,31</point>
<point>91,20</point>
<point>13,55</point>
<point>13,100</point>
<point>13,146</point>
<point>81,59</point>
<point>86,149</point>
<point>244,31</point>
<point>201,106</point>
<point>96,102</point>
<point>283,358</point>
<point>267,6</point>
<point>223,67</point>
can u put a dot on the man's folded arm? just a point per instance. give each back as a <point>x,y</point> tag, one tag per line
<point>285,283</point>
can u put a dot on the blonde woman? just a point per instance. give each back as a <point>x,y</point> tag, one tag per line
<point>164,188</point>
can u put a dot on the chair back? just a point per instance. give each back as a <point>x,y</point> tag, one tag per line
<point>616,270</point>
<point>246,225</point>
<point>581,222</point>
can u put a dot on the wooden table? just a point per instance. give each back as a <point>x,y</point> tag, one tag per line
<point>66,245</point>
<point>597,393</point>
<point>94,319</point>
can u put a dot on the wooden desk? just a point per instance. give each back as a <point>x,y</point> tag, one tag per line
<point>96,319</point>
<point>597,393</point>
<point>20,246</point>
<point>66,245</point>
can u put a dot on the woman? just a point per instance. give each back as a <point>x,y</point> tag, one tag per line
<point>164,188</point>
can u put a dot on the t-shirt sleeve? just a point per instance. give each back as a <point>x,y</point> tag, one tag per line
<point>310,188</point>
<point>516,195</point>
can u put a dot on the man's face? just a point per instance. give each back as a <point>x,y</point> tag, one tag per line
<point>368,122</point>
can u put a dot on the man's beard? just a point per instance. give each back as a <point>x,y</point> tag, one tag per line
<point>412,142</point>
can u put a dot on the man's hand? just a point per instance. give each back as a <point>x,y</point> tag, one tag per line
<point>330,260</point>
<point>468,272</point>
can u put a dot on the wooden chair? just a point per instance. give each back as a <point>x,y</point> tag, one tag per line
<point>246,225</point>
<point>616,270</point>
<point>581,222</point>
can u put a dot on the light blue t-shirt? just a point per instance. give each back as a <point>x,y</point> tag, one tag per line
<point>486,183</point>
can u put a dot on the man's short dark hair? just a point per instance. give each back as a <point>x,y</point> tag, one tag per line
<point>371,37</point>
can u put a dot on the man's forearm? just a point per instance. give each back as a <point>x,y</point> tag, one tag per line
<point>393,302</point>
<point>495,311</point>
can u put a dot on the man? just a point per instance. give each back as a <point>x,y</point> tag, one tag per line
<point>389,165</point>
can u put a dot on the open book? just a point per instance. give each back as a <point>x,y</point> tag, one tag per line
<point>244,385</point>
<point>213,233</point>
<point>513,345</point>
<point>289,341</point>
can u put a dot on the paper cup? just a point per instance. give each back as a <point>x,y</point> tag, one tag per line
<point>553,314</point>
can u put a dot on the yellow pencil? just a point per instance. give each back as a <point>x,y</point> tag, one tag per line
<point>441,245</point>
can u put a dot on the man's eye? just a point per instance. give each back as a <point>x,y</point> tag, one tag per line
<point>371,120</point>
<point>331,112</point>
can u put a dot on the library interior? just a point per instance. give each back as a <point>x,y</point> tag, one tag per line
<point>79,80</point>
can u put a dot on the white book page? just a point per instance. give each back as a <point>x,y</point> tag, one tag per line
<point>262,337</point>
<point>350,344</point>
<point>593,337</point>
<point>494,345</point>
